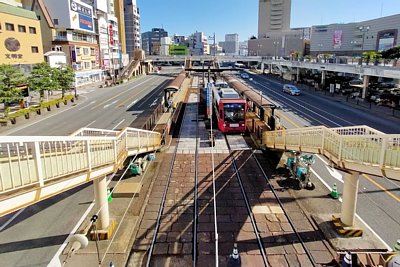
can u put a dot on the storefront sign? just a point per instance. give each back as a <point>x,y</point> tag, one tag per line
<point>85,22</point>
<point>110,32</point>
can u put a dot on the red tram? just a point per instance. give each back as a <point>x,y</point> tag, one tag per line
<point>230,110</point>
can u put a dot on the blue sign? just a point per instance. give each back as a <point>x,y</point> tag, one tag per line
<point>85,22</point>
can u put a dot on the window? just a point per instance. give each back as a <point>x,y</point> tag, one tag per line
<point>35,49</point>
<point>38,17</point>
<point>85,51</point>
<point>21,28</point>
<point>92,51</point>
<point>78,51</point>
<point>55,21</point>
<point>9,26</point>
<point>87,65</point>
<point>32,30</point>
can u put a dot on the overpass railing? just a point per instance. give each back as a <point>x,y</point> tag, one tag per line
<point>359,148</point>
<point>34,161</point>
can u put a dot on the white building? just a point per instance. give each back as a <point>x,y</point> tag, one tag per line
<point>109,46</point>
<point>243,49</point>
<point>165,43</point>
<point>231,44</point>
<point>132,27</point>
<point>75,35</point>
<point>198,44</point>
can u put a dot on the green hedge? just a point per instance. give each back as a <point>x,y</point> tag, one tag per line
<point>22,112</point>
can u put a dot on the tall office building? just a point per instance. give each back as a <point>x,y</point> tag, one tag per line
<point>151,41</point>
<point>119,14</point>
<point>132,27</point>
<point>231,44</point>
<point>273,15</point>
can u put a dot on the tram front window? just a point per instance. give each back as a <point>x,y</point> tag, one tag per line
<point>234,113</point>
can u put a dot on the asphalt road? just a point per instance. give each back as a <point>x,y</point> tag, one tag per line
<point>34,235</point>
<point>378,198</point>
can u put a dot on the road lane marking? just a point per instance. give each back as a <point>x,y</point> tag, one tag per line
<point>358,216</point>
<point>89,124</point>
<point>106,106</point>
<point>123,92</point>
<point>131,104</point>
<point>11,219</point>
<point>55,261</point>
<point>91,103</point>
<point>366,176</point>
<point>118,124</point>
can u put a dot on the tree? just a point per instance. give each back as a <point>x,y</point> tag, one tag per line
<point>371,56</point>
<point>64,76</point>
<point>10,79</point>
<point>42,79</point>
<point>392,53</point>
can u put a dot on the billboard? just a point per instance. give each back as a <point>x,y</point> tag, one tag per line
<point>81,16</point>
<point>386,40</point>
<point>337,39</point>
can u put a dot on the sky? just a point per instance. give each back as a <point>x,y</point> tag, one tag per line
<point>184,17</point>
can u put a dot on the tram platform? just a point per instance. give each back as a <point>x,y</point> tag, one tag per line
<point>309,211</point>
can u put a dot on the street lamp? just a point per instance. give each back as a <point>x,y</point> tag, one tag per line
<point>363,29</point>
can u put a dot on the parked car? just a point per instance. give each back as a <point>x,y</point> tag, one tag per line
<point>244,75</point>
<point>291,89</point>
<point>346,91</point>
<point>356,82</point>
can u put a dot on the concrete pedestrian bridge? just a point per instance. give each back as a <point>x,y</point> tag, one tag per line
<point>33,168</point>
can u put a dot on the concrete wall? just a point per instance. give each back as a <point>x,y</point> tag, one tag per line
<point>349,38</point>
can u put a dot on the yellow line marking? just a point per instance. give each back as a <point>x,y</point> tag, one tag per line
<point>381,187</point>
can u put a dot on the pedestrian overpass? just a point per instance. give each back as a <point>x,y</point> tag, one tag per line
<point>357,148</point>
<point>33,168</point>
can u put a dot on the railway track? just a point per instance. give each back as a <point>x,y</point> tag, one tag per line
<point>215,198</point>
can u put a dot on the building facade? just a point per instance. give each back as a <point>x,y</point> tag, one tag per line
<point>198,44</point>
<point>352,39</point>
<point>20,37</point>
<point>119,14</point>
<point>165,44</point>
<point>273,15</point>
<point>75,35</point>
<point>151,41</point>
<point>231,44</point>
<point>132,27</point>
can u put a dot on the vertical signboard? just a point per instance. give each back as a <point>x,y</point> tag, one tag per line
<point>337,39</point>
<point>209,99</point>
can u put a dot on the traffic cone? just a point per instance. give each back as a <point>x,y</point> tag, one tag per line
<point>347,262</point>
<point>109,195</point>
<point>397,246</point>
<point>334,193</point>
<point>234,258</point>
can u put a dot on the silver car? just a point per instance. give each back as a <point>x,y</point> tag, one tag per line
<point>291,89</point>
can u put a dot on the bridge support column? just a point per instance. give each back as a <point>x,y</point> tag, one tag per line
<point>298,75</point>
<point>100,198</point>
<point>365,86</point>
<point>350,192</point>
<point>323,77</point>
<point>262,67</point>
<point>270,68</point>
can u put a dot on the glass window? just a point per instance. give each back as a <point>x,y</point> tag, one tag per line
<point>78,50</point>
<point>35,49</point>
<point>9,26</point>
<point>32,30</point>
<point>87,65</point>
<point>21,28</point>
<point>234,112</point>
<point>92,51</point>
<point>85,51</point>
<point>55,21</point>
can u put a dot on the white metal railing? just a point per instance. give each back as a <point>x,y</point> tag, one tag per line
<point>27,161</point>
<point>348,146</point>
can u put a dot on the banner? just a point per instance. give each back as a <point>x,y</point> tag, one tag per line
<point>337,39</point>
